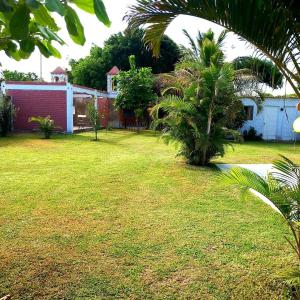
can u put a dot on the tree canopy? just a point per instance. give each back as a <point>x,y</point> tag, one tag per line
<point>266,71</point>
<point>91,70</point>
<point>25,25</point>
<point>19,76</point>
<point>135,87</point>
<point>273,27</point>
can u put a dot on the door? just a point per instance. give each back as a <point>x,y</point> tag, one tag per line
<point>270,122</point>
<point>289,115</point>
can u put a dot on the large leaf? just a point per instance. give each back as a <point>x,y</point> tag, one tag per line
<point>5,6</point>
<point>100,12</point>
<point>27,45</point>
<point>86,5</point>
<point>33,4</point>
<point>55,6</point>
<point>11,50</point>
<point>53,50</point>
<point>43,49</point>
<point>19,23</point>
<point>43,17</point>
<point>74,26</point>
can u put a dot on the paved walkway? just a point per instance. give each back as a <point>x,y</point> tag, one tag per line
<point>260,169</point>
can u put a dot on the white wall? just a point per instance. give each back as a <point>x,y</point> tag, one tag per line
<point>276,119</point>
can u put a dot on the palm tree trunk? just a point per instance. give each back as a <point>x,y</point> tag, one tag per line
<point>208,130</point>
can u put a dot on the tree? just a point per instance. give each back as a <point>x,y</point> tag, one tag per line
<point>91,70</point>
<point>135,89</point>
<point>195,111</point>
<point>273,27</point>
<point>19,76</point>
<point>282,188</point>
<point>264,70</point>
<point>25,25</point>
<point>94,118</point>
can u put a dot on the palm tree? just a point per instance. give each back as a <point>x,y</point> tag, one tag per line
<point>273,26</point>
<point>203,92</point>
<point>281,187</point>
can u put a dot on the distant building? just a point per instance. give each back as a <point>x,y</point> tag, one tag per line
<point>59,75</point>
<point>66,103</point>
<point>275,120</point>
<point>111,85</point>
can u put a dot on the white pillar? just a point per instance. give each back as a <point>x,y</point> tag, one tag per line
<point>69,108</point>
<point>109,83</point>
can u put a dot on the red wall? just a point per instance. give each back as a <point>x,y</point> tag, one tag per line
<point>39,103</point>
<point>103,108</point>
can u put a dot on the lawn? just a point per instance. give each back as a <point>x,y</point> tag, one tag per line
<point>125,218</point>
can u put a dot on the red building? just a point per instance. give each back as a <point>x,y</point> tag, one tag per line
<point>64,102</point>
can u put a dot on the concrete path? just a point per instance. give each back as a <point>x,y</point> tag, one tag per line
<point>260,169</point>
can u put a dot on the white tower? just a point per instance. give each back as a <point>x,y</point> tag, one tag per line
<point>59,75</point>
<point>110,82</point>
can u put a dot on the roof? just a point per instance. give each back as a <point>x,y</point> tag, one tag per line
<point>114,71</point>
<point>58,70</point>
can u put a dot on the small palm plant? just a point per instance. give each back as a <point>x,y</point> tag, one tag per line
<point>46,125</point>
<point>282,188</point>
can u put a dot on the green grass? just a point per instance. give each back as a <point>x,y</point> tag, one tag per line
<point>260,152</point>
<point>124,218</point>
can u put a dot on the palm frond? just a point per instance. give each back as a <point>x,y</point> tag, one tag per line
<point>191,41</point>
<point>278,37</point>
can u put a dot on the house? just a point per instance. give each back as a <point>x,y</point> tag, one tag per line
<point>275,120</point>
<point>66,103</point>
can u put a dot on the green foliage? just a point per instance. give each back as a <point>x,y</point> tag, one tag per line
<point>202,95</point>
<point>25,25</point>
<point>259,22</point>
<point>91,70</point>
<point>251,135</point>
<point>46,125</point>
<point>19,76</point>
<point>7,112</point>
<point>135,88</point>
<point>264,69</point>
<point>94,118</point>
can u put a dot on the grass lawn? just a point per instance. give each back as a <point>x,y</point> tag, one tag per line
<point>124,218</point>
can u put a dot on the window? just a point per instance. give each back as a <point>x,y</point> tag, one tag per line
<point>249,112</point>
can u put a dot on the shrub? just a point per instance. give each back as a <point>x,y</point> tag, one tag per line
<point>7,112</point>
<point>251,135</point>
<point>46,125</point>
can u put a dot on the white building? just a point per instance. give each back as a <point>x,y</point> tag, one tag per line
<point>275,120</point>
<point>59,75</point>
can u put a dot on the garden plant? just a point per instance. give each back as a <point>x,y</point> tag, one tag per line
<point>46,125</point>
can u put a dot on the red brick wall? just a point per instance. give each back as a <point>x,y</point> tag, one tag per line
<point>39,103</point>
<point>103,108</point>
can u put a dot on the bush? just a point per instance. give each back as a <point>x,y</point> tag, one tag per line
<point>46,125</point>
<point>251,135</point>
<point>7,112</point>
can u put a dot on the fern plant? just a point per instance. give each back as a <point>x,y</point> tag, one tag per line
<point>46,125</point>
